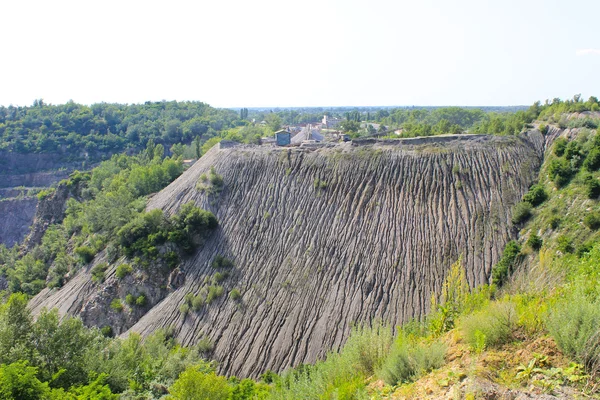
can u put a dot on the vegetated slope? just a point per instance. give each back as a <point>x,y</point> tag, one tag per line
<point>325,237</point>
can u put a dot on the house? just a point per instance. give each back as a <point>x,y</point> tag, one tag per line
<point>283,137</point>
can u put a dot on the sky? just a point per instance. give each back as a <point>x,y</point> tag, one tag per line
<point>278,53</point>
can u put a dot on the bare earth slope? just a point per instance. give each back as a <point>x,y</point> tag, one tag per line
<point>322,238</point>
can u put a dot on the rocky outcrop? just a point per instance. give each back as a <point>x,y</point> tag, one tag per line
<point>50,210</point>
<point>16,215</point>
<point>326,237</point>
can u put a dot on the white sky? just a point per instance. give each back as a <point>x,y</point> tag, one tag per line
<point>241,53</point>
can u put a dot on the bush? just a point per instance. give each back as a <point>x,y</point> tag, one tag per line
<point>141,301</point>
<point>535,242</point>
<point>107,331</point>
<point>214,292</point>
<point>235,295</point>
<point>130,299</point>
<point>196,384</point>
<point>592,221</point>
<point>98,272</point>
<point>197,302</point>
<point>573,323</point>
<point>221,262</point>
<point>521,213</point>
<point>536,195</point>
<point>592,161</point>
<point>559,146</point>
<point>184,308</point>
<point>123,270</point>
<point>564,244</point>
<point>554,222</point>
<point>116,305</point>
<point>86,254</point>
<point>494,325</point>
<point>592,187</point>
<point>560,172</point>
<point>502,270</point>
<point>409,359</point>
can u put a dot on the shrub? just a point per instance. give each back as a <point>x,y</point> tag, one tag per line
<point>45,193</point>
<point>196,384</point>
<point>141,301</point>
<point>564,244</point>
<point>592,161</point>
<point>536,195</point>
<point>560,172</point>
<point>130,299</point>
<point>559,146</point>
<point>98,272</point>
<point>219,277</point>
<point>123,270</point>
<point>214,292</point>
<point>543,129</point>
<point>592,188</point>
<point>86,254</point>
<point>554,222</point>
<point>116,305</point>
<point>197,302</point>
<point>184,308</point>
<point>494,324</point>
<point>573,323</point>
<point>535,242</point>
<point>502,270</point>
<point>221,262</point>
<point>408,360</point>
<point>592,221</point>
<point>215,179</point>
<point>235,295</point>
<point>521,213</point>
<point>107,331</point>
<point>573,150</point>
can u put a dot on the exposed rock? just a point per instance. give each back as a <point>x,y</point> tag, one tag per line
<point>15,219</point>
<point>327,237</point>
<point>49,211</point>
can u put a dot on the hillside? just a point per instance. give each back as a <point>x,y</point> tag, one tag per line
<point>320,239</point>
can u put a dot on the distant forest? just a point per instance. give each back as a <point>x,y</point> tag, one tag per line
<point>95,132</point>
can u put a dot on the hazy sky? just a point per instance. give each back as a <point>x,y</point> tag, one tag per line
<point>242,53</point>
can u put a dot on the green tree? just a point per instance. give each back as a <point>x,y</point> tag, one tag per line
<point>273,121</point>
<point>18,381</point>
<point>194,384</point>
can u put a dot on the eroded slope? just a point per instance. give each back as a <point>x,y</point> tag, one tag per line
<point>322,238</point>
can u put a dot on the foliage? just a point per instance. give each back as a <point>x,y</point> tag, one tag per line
<point>592,220</point>
<point>452,301</point>
<point>98,272</point>
<point>77,130</point>
<point>573,323</point>
<point>221,262</point>
<point>504,267</point>
<point>18,381</point>
<point>86,254</point>
<point>536,195</point>
<point>494,325</point>
<point>194,384</point>
<point>123,270</point>
<point>592,187</point>
<point>410,358</point>
<point>521,212</point>
<point>235,294</point>
<point>560,172</point>
<point>535,242</point>
<point>116,305</point>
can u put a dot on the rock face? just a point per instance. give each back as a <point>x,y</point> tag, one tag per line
<point>325,237</point>
<point>16,215</point>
